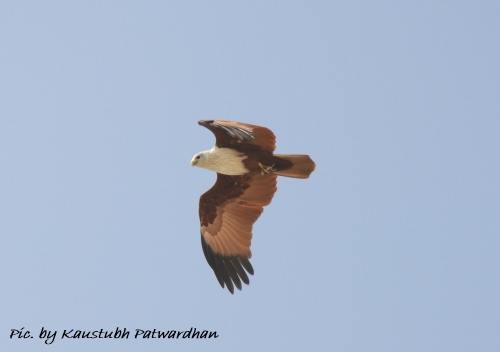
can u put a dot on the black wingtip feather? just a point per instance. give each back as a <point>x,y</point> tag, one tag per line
<point>241,272</point>
<point>232,273</point>
<point>205,122</point>
<point>248,266</point>
<point>229,271</point>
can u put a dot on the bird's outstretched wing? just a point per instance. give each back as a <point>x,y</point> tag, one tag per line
<point>232,134</point>
<point>227,212</point>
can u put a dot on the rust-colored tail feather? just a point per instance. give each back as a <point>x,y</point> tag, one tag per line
<point>298,166</point>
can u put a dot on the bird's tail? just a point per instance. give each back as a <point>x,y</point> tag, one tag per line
<point>298,166</point>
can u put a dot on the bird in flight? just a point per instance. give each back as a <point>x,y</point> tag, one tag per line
<point>246,181</point>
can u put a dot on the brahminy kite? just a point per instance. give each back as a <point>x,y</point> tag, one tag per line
<point>246,181</point>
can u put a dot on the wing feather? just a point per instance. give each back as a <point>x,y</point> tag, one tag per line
<point>227,213</point>
<point>237,134</point>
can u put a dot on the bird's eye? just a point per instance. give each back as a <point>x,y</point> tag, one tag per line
<point>197,157</point>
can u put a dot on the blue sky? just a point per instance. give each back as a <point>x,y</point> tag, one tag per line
<point>391,245</point>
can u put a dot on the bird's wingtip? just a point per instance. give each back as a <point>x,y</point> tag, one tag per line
<point>205,122</point>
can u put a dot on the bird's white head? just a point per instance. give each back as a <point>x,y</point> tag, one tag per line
<point>200,159</point>
<point>222,160</point>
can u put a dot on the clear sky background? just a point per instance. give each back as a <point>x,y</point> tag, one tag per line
<point>393,243</point>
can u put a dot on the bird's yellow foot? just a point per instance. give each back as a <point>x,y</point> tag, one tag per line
<point>266,169</point>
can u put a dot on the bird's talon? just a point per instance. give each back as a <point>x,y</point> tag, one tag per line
<point>266,169</point>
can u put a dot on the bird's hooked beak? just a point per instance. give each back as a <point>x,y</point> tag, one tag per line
<point>193,161</point>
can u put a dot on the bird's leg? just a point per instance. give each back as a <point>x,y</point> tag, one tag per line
<point>266,169</point>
